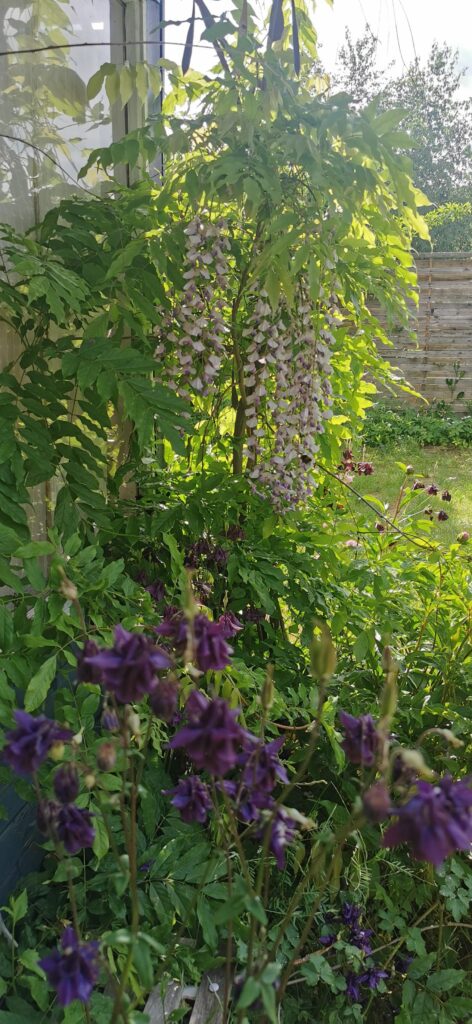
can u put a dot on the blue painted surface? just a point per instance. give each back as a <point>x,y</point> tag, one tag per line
<point>20,851</point>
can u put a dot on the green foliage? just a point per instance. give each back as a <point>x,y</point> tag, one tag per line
<point>438,424</point>
<point>309,191</point>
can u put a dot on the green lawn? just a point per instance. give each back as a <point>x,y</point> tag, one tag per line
<point>449,468</point>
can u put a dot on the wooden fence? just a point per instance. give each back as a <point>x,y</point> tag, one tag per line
<point>441,346</point>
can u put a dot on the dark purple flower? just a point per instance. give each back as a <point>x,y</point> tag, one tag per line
<point>235,532</point>
<point>164,700</point>
<point>201,549</point>
<point>442,516</point>
<point>229,625</point>
<point>432,489</point>
<point>261,763</point>
<point>360,937</point>
<point>219,556</point>
<point>252,614</point>
<point>402,963</point>
<point>173,625</point>
<point>418,485</point>
<point>380,527</point>
<point>361,741</point>
<point>353,984</point>
<point>130,667</point>
<point>446,496</point>
<point>212,736</point>
<point>46,816</point>
<point>192,799</point>
<point>73,970</point>
<point>29,744</point>
<point>157,590</point>
<point>74,828</point>
<point>350,914</point>
<point>87,673</point>
<point>66,783</point>
<point>327,940</point>
<point>372,977</point>
<point>365,468</point>
<point>212,651</point>
<point>376,802</point>
<point>436,822</point>
<point>283,829</point>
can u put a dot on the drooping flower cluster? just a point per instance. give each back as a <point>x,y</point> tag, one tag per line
<point>216,743</point>
<point>299,404</point>
<point>73,969</point>
<point>197,331</point>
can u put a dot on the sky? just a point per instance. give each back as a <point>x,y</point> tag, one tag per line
<point>405,28</point>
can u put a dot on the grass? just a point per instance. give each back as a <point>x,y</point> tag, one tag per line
<point>449,468</point>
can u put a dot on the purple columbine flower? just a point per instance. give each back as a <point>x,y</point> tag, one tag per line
<point>436,822</point>
<point>261,764</point>
<point>361,741</point>
<point>432,489</point>
<point>350,914</point>
<point>229,625</point>
<point>212,736</point>
<point>130,667</point>
<point>353,985</point>
<point>446,496</point>
<point>219,556</point>
<point>372,977</point>
<point>66,784</point>
<point>360,937</point>
<point>72,970</point>
<point>442,516</point>
<point>157,590</point>
<point>86,672</point>
<point>212,651</point>
<point>283,829</point>
<point>164,700</point>
<point>327,940</point>
<point>29,744</point>
<point>192,799</point>
<point>74,828</point>
<point>365,468</point>
<point>235,532</point>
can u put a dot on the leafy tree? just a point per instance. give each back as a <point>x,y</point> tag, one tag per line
<point>438,119</point>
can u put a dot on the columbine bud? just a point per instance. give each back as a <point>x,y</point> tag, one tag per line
<point>267,696</point>
<point>323,654</point>
<point>89,780</point>
<point>376,802</point>
<point>68,588</point>
<point>449,737</point>
<point>463,537</point>
<point>132,720</point>
<point>106,756</point>
<point>56,752</point>
<point>410,470</point>
<point>415,760</point>
<point>164,699</point>
<point>66,783</point>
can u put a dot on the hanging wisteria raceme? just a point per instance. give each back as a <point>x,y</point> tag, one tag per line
<point>298,404</point>
<point>196,332</point>
<point>263,333</point>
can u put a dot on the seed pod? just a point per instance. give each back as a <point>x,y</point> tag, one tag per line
<point>106,757</point>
